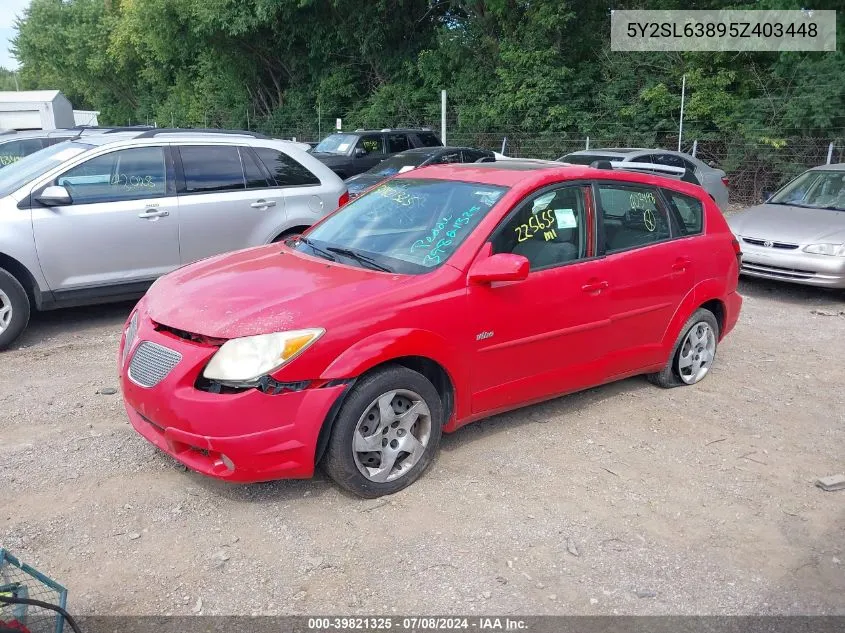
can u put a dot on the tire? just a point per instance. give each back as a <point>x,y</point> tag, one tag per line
<point>359,427</point>
<point>683,367</point>
<point>14,309</point>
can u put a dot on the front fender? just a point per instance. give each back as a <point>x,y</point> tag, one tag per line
<point>400,342</point>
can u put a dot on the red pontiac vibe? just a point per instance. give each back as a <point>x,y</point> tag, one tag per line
<point>431,301</point>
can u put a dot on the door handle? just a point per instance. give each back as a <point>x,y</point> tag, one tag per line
<point>263,204</point>
<point>595,285</point>
<point>681,264</point>
<point>153,213</point>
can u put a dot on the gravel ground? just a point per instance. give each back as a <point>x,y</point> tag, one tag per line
<point>625,499</point>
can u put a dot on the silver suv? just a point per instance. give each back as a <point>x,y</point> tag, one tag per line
<point>99,218</point>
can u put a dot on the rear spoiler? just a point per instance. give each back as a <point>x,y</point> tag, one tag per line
<point>687,175</point>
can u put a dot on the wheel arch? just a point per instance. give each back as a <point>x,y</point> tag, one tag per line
<point>291,230</point>
<point>24,277</point>
<point>409,349</point>
<point>708,294</point>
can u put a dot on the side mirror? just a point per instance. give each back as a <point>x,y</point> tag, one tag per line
<point>766,195</point>
<point>499,267</point>
<point>360,151</point>
<point>54,196</point>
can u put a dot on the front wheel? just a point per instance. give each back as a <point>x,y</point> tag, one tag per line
<point>693,354</point>
<point>386,433</point>
<point>14,309</point>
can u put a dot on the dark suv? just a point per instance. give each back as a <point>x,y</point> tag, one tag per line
<point>351,153</point>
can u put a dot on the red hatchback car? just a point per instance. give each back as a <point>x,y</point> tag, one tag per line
<point>431,301</point>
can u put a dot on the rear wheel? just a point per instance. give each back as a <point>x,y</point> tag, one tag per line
<point>693,354</point>
<point>386,433</point>
<point>14,309</point>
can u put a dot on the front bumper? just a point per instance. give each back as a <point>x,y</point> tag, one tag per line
<point>795,266</point>
<point>245,437</point>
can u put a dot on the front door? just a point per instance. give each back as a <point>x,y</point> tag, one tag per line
<point>650,272</point>
<point>368,152</point>
<point>545,335</point>
<point>121,228</point>
<point>225,201</point>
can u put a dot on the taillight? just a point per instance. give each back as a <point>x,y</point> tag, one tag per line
<point>344,198</point>
<point>726,182</point>
<point>737,252</point>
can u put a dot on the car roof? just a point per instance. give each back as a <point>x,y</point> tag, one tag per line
<point>831,167</point>
<point>402,130</point>
<point>619,151</point>
<point>529,174</point>
<point>437,149</point>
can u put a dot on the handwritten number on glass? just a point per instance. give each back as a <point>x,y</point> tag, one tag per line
<point>536,224</point>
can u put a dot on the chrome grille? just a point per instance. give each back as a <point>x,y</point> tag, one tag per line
<point>151,363</point>
<point>768,244</point>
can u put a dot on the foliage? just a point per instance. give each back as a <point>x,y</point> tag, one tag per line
<point>541,67</point>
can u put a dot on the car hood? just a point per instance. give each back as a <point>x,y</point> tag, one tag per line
<point>782,223</point>
<point>358,183</point>
<point>329,159</point>
<point>262,290</point>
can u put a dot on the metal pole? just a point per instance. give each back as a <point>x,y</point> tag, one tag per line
<point>16,81</point>
<point>443,117</point>
<point>247,118</point>
<point>504,145</point>
<point>319,121</point>
<point>694,147</point>
<point>588,143</point>
<point>829,153</point>
<point>681,123</point>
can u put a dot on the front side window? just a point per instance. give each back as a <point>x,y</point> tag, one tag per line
<point>285,171</point>
<point>631,217</point>
<point>31,167</point>
<point>126,174</point>
<point>688,210</point>
<point>405,225</point>
<point>823,189</point>
<point>451,157</point>
<point>549,229</point>
<point>587,159</point>
<point>371,144</point>
<point>212,168</point>
<point>397,164</point>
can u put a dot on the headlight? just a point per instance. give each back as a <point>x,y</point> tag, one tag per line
<point>130,334</point>
<point>247,359</point>
<point>826,249</point>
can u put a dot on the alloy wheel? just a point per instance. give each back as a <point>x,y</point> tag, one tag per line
<point>5,311</point>
<point>697,353</point>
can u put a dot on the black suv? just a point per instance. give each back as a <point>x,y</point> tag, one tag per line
<point>351,153</point>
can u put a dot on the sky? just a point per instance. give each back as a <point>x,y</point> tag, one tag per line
<point>11,10</point>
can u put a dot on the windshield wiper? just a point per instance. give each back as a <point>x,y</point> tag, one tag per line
<point>321,251</point>
<point>360,257</point>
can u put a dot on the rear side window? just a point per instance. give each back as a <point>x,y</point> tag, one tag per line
<point>254,174</point>
<point>631,217</point>
<point>688,210</point>
<point>13,151</point>
<point>428,139</point>
<point>285,171</point>
<point>397,143</point>
<point>211,168</point>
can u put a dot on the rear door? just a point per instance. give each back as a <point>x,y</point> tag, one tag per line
<point>225,200</point>
<point>650,273</point>
<point>304,204</point>
<point>121,228</point>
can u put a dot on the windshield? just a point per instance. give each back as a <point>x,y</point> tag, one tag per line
<point>586,159</point>
<point>336,144</point>
<point>405,226</point>
<point>819,189</point>
<point>397,163</point>
<point>28,168</point>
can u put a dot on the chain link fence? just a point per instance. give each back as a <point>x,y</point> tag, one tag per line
<point>754,168</point>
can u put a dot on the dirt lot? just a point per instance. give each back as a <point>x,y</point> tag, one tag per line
<point>623,499</point>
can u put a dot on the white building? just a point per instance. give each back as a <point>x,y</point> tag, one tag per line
<point>35,110</point>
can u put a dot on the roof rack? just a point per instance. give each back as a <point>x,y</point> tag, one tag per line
<point>197,130</point>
